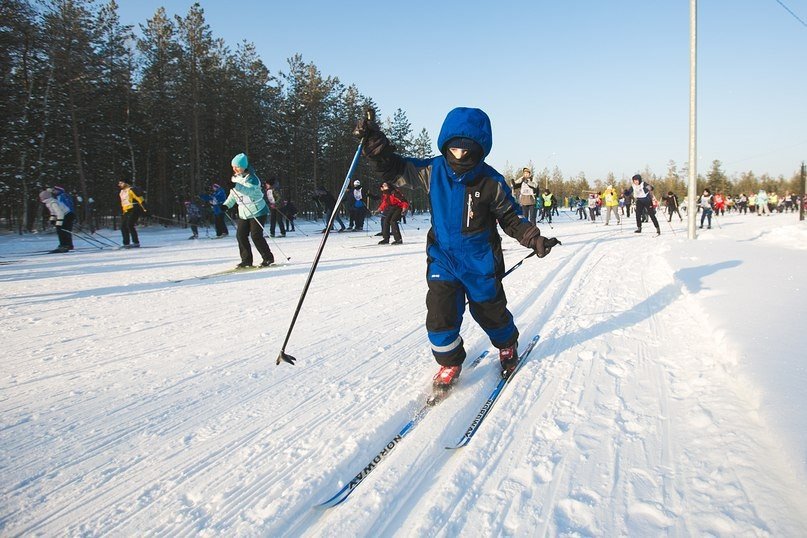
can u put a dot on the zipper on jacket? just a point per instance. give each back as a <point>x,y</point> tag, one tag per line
<point>468,221</point>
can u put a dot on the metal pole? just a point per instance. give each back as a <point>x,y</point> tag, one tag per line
<point>692,191</point>
<point>803,191</point>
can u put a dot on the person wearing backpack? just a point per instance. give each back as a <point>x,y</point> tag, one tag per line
<point>62,217</point>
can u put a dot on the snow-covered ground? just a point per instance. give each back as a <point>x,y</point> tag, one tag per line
<point>665,397</point>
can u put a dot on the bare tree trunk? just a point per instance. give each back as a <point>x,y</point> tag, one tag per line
<point>316,147</point>
<point>76,141</point>
<point>129,134</point>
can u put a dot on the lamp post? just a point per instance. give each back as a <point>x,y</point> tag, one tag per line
<point>692,208</point>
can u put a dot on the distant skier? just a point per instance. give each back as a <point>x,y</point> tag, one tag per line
<point>611,199</point>
<point>547,201</point>
<point>392,206</point>
<point>706,204</point>
<point>464,254</point>
<point>62,217</point>
<point>194,216</point>
<point>671,201</point>
<point>326,202</point>
<point>274,197</point>
<point>643,194</point>
<point>762,203</point>
<point>526,194</point>
<point>357,205</point>
<point>132,206</point>
<point>719,204</point>
<point>627,196</point>
<point>289,212</point>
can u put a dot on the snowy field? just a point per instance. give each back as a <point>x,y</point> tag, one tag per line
<point>666,396</point>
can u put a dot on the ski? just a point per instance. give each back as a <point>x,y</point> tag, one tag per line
<point>494,395</point>
<point>341,496</point>
<point>232,271</point>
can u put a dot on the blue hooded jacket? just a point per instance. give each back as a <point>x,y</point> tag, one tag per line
<point>463,243</point>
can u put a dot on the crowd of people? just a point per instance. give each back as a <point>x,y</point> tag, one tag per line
<point>589,206</point>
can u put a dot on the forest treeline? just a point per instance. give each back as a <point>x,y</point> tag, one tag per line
<point>87,101</point>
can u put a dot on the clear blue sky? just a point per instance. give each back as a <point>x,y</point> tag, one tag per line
<point>589,86</point>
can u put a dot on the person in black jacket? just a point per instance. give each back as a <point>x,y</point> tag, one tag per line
<point>326,202</point>
<point>671,200</point>
<point>643,193</point>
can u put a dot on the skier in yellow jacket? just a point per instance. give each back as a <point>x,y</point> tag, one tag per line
<point>132,205</point>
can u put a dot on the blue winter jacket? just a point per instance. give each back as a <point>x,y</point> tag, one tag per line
<point>463,243</point>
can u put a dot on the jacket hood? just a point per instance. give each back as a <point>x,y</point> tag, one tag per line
<point>470,123</point>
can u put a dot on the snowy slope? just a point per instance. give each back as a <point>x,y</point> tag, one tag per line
<point>135,405</point>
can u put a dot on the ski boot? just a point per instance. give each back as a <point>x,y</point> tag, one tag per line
<point>508,357</point>
<point>444,379</point>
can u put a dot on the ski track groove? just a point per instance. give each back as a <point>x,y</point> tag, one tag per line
<point>266,483</point>
<point>570,265</point>
<point>536,383</point>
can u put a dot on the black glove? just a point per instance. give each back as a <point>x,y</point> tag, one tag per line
<point>365,126</point>
<point>539,244</point>
<point>545,246</point>
<point>375,142</point>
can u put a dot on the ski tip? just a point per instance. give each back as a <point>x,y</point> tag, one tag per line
<point>285,357</point>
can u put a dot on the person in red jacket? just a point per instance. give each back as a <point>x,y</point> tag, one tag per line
<point>720,204</point>
<point>393,206</point>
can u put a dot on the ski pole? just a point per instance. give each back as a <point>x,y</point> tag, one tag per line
<point>288,220</point>
<point>112,243</point>
<point>93,238</point>
<point>86,240</point>
<point>283,356</point>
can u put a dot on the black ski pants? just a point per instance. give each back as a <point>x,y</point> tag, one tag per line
<point>221,226</point>
<point>276,219</point>
<point>128,221</point>
<point>445,306</point>
<point>389,223</point>
<point>252,228</point>
<point>64,231</point>
<point>645,207</point>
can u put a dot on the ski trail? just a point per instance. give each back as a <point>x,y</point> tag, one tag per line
<point>595,435</point>
<point>423,454</point>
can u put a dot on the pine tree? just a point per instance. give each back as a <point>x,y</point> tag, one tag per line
<point>160,122</point>
<point>422,145</point>
<point>24,84</point>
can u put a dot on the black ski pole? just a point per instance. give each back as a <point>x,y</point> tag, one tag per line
<point>283,356</point>
<point>89,241</point>
<point>111,242</point>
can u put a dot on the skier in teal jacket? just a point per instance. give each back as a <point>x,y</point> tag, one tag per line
<point>252,211</point>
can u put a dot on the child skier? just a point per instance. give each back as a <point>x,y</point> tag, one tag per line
<point>464,255</point>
